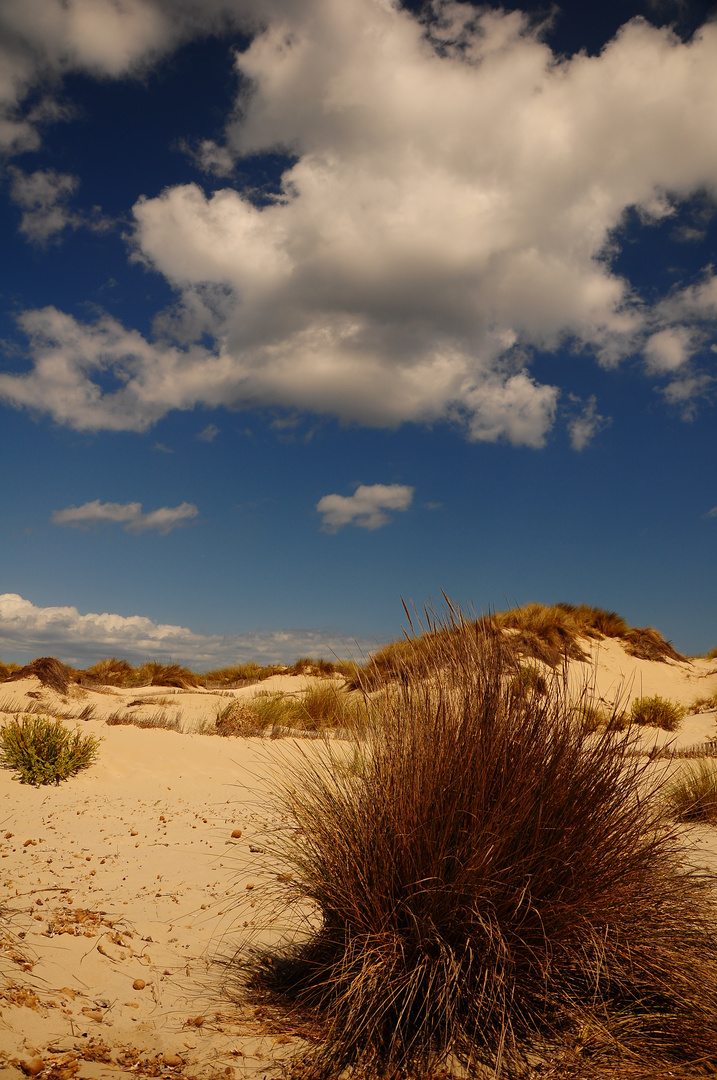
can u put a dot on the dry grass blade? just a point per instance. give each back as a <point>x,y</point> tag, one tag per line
<point>159,719</point>
<point>692,796</point>
<point>491,879</point>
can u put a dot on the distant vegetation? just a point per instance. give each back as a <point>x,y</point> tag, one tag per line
<point>549,634</point>
<point>538,632</point>
<point>321,706</point>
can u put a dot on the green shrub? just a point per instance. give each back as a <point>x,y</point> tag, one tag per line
<point>692,796</point>
<point>42,751</point>
<point>489,880</point>
<point>657,712</point>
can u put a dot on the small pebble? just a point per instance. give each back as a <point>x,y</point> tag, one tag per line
<point>171,1059</point>
<point>34,1067</point>
<point>139,984</point>
<point>236,834</point>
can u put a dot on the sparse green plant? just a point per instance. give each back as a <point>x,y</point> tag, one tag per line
<point>712,654</point>
<point>489,879</point>
<point>692,795</point>
<point>41,750</point>
<point>7,669</point>
<point>657,712</point>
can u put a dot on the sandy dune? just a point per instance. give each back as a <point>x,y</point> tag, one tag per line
<point>126,886</point>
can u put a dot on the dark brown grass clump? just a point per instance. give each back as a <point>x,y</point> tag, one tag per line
<point>49,671</point>
<point>491,880</point>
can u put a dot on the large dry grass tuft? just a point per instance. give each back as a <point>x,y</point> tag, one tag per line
<point>491,880</point>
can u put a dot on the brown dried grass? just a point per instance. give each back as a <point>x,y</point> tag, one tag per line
<point>492,881</point>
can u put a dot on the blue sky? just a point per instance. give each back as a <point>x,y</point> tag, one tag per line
<point>308,306</point>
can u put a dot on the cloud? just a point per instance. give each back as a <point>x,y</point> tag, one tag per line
<point>27,631</point>
<point>43,196</point>
<point>453,203</point>
<point>365,507</point>
<point>209,433</point>
<point>129,515</point>
<point>43,40</point>
<point>668,349</point>
<point>712,512</point>
<point>584,427</point>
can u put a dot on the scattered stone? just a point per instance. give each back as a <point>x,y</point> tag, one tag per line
<point>139,984</point>
<point>172,1060</point>
<point>32,1068</point>
<point>236,834</point>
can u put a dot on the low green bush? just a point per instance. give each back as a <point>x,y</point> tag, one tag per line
<point>41,750</point>
<point>657,712</point>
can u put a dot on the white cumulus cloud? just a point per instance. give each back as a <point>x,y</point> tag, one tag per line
<point>366,507</point>
<point>129,515</point>
<point>27,631</point>
<point>452,205</point>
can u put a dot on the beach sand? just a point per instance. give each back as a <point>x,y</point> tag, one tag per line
<point>126,888</point>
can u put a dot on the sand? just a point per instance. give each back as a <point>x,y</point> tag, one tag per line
<point>126,887</point>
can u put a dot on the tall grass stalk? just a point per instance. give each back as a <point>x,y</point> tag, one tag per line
<point>490,880</point>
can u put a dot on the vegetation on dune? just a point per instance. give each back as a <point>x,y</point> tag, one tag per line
<point>120,673</point>
<point>114,672</point>
<point>491,881</point>
<point>549,634</point>
<point>41,750</point>
<point>319,707</point>
<point>7,669</point>
<point>657,712</point>
<point>704,704</point>
<point>692,795</point>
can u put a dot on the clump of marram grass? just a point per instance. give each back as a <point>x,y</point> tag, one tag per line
<point>114,672</point>
<point>549,633</point>
<point>692,795</point>
<point>657,712</point>
<point>321,706</point>
<point>41,750</point>
<point>490,880</point>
